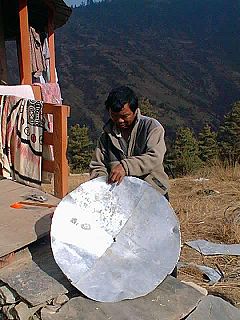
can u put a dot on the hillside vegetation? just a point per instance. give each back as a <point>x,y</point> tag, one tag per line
<point>181,54</point>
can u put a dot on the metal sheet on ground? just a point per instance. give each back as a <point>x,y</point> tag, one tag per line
<point>211,274</point>
<point>214,308</point>
<point>209,248</point>
<point>36,277</point>
<point>118,242</point>
<point>171,300</point>
<point>35,221</point>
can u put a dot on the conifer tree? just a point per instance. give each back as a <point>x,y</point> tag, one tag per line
<point>147,108</point>
<point>186,152</point>
<point>229,136</point>
<point>80,148</point>
<point>208,147</point>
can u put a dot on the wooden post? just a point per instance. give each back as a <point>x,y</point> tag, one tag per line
<point>3,61</point>
<point>60,154</point>
<point>58,139</point>
<point>24,54</point>
<point>51,44</point>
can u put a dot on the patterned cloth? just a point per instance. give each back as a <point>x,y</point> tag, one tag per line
<point>50,92</point>
<point>22,125</point>
<point>37,59</point>
<point>23,91</point>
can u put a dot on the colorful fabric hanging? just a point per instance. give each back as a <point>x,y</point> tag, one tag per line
<point>21,139</point>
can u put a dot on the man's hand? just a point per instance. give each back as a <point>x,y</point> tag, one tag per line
<point>117,174</point>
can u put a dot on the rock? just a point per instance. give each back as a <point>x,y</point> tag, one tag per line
<point>50,309</point>
<point>172,300</point>
<point>22,311</point>
<point>45,315</point>
<point>197,287</point>
<point>9,312</point>
<point>39,285</point>
<point>2,316</point>
<point>214,308</point>
<point>7,295</point>
<point>60,299</point>
<point>33,310</point>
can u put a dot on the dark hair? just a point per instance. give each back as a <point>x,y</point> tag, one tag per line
<point>118,97</point>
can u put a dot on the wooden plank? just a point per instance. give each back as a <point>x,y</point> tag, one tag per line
<point>48,108</point>
<point>60,151</point>
<point>37,92</point>
<point>48,138</point>
<point>7,186</point>
<point>48,166</point>
<point>53,108</point>
<point>59,141</point>
<point>24,58</point>
<point>19,227</point>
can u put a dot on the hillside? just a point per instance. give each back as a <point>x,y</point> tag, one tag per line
<point>183,55</point>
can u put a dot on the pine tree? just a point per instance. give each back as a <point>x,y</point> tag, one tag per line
<point>229,136</point>
<point>208,147</point>
<point>186,152</point>
<point>147,108</point>
<point>80,148</point>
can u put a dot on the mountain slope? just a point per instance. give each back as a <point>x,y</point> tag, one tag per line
<point>181,54</point>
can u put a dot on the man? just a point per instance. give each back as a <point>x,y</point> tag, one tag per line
<point>131,144</point>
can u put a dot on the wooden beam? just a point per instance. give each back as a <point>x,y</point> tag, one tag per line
<point>60,152</point>
<point>48,138</point>
<point>59,141</point>
<point>51,44</point>
<point>24,57</point>
<point>48,166</point>
<point>37,92</point>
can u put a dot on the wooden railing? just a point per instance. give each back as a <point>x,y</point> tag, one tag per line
<point>58,139</point>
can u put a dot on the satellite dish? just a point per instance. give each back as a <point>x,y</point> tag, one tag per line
<point>115,242</point>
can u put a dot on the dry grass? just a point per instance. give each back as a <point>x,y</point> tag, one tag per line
<point>210,209</point>
<point>76,179</point>
<point>207,209</point>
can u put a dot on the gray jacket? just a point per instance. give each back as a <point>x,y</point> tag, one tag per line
<point>142,157</point>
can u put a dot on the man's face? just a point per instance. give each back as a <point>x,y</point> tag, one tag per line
<point>124,118</point>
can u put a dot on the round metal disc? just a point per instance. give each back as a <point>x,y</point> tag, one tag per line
<point>115,242</point>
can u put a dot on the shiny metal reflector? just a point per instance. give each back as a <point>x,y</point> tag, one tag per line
<point>115,242</point>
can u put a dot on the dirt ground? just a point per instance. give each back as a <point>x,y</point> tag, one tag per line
<point>208,207</point>
<point>210,210</point>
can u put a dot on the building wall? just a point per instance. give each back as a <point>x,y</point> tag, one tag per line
<point>3,62</point>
